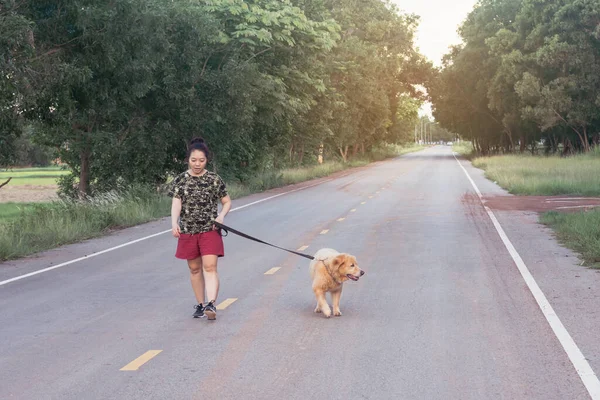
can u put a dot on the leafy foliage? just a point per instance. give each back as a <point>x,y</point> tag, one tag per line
<point>118,88</point>
<point>528,71</point>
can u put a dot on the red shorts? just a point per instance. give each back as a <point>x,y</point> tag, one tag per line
<point>190,246</point>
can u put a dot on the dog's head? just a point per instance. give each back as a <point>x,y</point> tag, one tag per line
<point>347,267</point>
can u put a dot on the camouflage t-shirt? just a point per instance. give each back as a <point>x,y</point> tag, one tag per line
<point>200,197</point>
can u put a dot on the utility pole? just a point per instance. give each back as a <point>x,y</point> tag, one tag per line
<point>431,125</point>
<point>415,133</point>
<point>320,159</point>
<point>429,134</point>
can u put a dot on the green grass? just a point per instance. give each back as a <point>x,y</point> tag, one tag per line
<point>32,176</point>
<point>545,176</point>
<point>46,181</point>
<point>464,148</point>
<point>10,211</point>
<point>28,228</point>
<point>395,150</point>
<point>553,175</point>
<point>13,170</point>
<point>43,226</point>
<point>578,231</point>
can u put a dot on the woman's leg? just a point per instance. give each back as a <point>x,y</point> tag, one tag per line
<point>211,277</point>
<point>197,278</point>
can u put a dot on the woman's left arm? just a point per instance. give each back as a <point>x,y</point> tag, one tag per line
<point>226,202</point>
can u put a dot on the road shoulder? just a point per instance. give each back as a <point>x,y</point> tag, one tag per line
<point>572,290</point>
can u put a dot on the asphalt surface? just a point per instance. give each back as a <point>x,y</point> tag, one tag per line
<point>441,313</point>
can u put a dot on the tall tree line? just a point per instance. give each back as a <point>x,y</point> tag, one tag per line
<point>117,88</point>
<point>528,71</point>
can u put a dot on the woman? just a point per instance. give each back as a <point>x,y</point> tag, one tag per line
<point>196,195</point>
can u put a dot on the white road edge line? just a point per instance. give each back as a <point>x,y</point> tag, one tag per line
<point>583,368</point>
<point>561,201</point>
<point>586,206</point>
<point>571,198</point>
<point>16,278</point>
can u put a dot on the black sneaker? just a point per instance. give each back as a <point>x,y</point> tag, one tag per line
<point>199,313</point>
<point>210,311</point>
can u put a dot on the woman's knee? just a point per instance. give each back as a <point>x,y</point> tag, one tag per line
<point>195,266</point>
<point>210,267</point>
<point>195,270</point>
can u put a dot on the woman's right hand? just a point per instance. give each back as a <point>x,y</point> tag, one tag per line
<point>175,212</point>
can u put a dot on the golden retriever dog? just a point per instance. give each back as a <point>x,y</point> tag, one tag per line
<point>328,271</point>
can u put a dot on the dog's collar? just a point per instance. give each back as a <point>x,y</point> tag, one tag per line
<point>329,272</point>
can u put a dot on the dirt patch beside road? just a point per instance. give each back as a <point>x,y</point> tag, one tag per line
<point>28,193</point>
<point>541,203</point>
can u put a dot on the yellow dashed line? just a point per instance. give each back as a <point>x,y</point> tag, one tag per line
<point>141,360</point>
<point>341,219</point>
<point>324,231</point>
<point>370,197</point>
<point>364,202</point>
<point>226,303</point>
<point>353,210</point>
<point>272,271</point>
<point>302,248</point>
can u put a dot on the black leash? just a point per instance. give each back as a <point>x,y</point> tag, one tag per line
<point>228,229</point>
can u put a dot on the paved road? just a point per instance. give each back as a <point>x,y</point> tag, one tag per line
<point>441,313</point>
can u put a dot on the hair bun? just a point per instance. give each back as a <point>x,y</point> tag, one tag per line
<point>198,143</point>
<point>197,140</point>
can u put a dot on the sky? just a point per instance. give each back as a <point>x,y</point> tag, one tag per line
<point>438,26</point>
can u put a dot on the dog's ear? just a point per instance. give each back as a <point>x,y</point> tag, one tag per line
<point>339,260</point>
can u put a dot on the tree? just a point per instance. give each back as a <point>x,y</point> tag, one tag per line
<point>16,48</point>
<point>538,61</point>
<point>563,88</point>
<point>118,88</point>
<point>375,65</point>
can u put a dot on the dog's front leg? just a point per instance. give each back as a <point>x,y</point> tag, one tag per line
<point>322,303</point>
<point>335,299</point>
